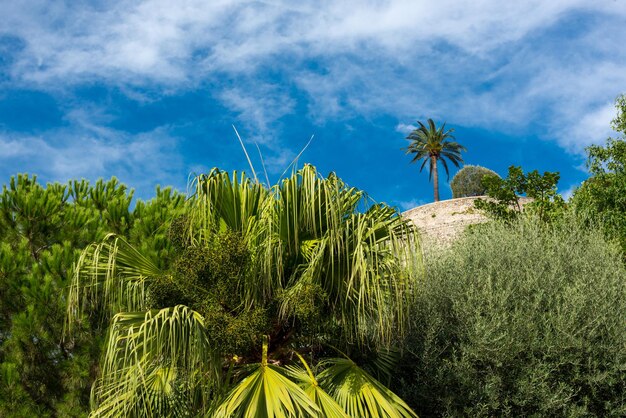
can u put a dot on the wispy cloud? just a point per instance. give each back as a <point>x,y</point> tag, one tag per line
<point>143,160</point>
<point>256,105</point>
<point>403,128</point>
<point>410,204</point>
<point>568,192</point>
<point>535,67</point>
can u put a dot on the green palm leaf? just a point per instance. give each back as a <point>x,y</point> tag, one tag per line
<point>329,408</point>
<point>111,274</point>
<point>156,363</point>
<point>266,393</point>
<point>239,204</point>
<point>431,144</point>
<point>306,233</point>
<point>362,260</point>
<point>359,394</point>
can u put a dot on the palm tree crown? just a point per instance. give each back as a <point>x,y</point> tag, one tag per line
<point>304,269</point>
<point>431,144</point>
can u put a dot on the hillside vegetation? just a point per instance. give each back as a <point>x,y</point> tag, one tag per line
<point>520,320</point>
<point>308,299</point>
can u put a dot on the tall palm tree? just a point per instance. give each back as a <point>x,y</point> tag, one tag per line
<point>431,144</point>
<point>264,279</point>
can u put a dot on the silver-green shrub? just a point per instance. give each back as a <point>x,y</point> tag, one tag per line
<point>520,320</point>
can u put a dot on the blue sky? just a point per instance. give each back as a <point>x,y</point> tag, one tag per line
<point>148,90</point>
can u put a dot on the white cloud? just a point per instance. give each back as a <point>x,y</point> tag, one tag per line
<point>405,129</point>
<point>405,205</point>
<point>160,39</point>
<point>474,63</point>
<point>592,127</point>
<point>142,160</point>
<point>569,192</point>
<point>279,162</point>
<point>257,106</point>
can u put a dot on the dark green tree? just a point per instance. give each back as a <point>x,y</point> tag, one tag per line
<point>504,203</point>
<point>602,198</point>
<point>43,229</point>
<point>430,144</point>
<point>468,181</point>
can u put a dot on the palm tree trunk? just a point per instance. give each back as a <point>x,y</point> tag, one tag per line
<point>433,162</point>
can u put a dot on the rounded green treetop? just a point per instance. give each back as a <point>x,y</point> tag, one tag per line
<point>468,181</point>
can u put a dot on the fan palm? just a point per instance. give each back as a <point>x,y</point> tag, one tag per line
<point>303,265</point>
<point>430,144</point>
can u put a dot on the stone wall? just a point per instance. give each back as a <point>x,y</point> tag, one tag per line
<point>441,222</point>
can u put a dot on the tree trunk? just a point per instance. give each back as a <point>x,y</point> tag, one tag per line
<point>433,162</point>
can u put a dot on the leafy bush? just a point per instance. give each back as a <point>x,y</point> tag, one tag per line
<point>520,320</point>
<point>468,181</point>
<point>504,204</point>
<point>602,198</point>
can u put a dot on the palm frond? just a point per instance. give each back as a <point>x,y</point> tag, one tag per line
<point>429,141</point>
<point>431,126</point>
<point>222,201</point>
<point>329,408</point>
<point>445,167</point>
<point>241,205</point>
<point>111,275</point>
<point>355,257</point>
<point>156,363</point>
<point>266,393</point>
<point>359,394</point>
<point>426,160</point>
<point>311,230</point>
<point>385,364</point>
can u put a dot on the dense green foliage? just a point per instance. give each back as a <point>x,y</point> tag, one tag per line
<point>430,144</point>
<point>520,320</point>
<point>310,266</point>
<point>602,198</point>
<point>205,278</point>
<point>42,231</point>
<point>468,181</point>
<point>300,299</point>
<point>504,203</point>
